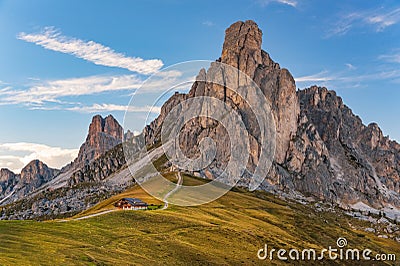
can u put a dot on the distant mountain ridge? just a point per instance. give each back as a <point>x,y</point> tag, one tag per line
<point>32,176</point>
<point>361,164</point>
<point>103,135</point>
<point>323,150</point>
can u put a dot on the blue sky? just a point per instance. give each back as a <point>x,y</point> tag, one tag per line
<point>64,61</point>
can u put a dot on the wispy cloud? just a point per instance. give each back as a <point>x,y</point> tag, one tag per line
<point>392,58</point>
<point>344,79</point>
<point>292,3</point>
<point>350,66</point>
<point>5,90</point>
<point>39,93</point>
<point>52,39</point>
<point>318,77</point>
<point>15,156</point>
<point>53,91</point>
<point>384,19</point>
<point>96,108</point>
<point>208,23</point>
<point>379,19</point>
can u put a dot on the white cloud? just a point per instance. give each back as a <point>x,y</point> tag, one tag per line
<point>136,133</point>
<point>96,108</point>
<point>350,66</point>
<point>52,91</point>
<point>96,53</point>
<point>292,3</point>
<point>319,77</point>
<point>344,80</point>
<point>16,155</point>
<point>5,90</point>
<point>392,58</point>
<point>288,2</point>
<point>379,19</point>
<point>208,23</point>
<point>384,19</point>
<point>344,24</point>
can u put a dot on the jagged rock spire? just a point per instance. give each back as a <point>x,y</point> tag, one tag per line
<point>242,46</point>
<point>104,134</point>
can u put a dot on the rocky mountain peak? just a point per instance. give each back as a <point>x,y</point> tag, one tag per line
<point>7,181</point>
<point>5,174</point>
<point>242,44</point>
<point>33,175</point>
<point>104,134</point>
<point>34,164</point>
<point>97,125</point>
<point>35,169</point>
<point>113,128</point>
<point>108,125</point>
<point>322,149</point>
<point>242,50</point>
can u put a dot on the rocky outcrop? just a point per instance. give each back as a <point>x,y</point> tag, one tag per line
<point>109,163</point>
<point>242,50</point>
<point>359,163</point>
<point>35,174</point>
<point>32,176</point>
<point>8,180</point>
<point>323,150</point>
<point>100,168</point>
<point>104,134</point>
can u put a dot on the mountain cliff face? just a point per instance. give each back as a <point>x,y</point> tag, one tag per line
<point>100,168</point>
<point>32,176</point>
<point>242,50</point>
<point>352,162</point>
<point>8,180</point>
<point>104,134</point>
<point>322,149</point>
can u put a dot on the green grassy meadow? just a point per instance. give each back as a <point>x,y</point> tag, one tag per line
<point>228,231</point>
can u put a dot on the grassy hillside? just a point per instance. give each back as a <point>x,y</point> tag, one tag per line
<point>228,231</point>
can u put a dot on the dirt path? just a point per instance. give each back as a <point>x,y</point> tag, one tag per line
<point>178,186</point>
<point>94,215</point>
<point>88,216</point>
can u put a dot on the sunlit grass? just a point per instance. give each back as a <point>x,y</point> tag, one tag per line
<point>227,231</point>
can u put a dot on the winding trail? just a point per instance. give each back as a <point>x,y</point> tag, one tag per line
<point>178,186</point>
<point>94,215</point>
<point>87,216</point>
